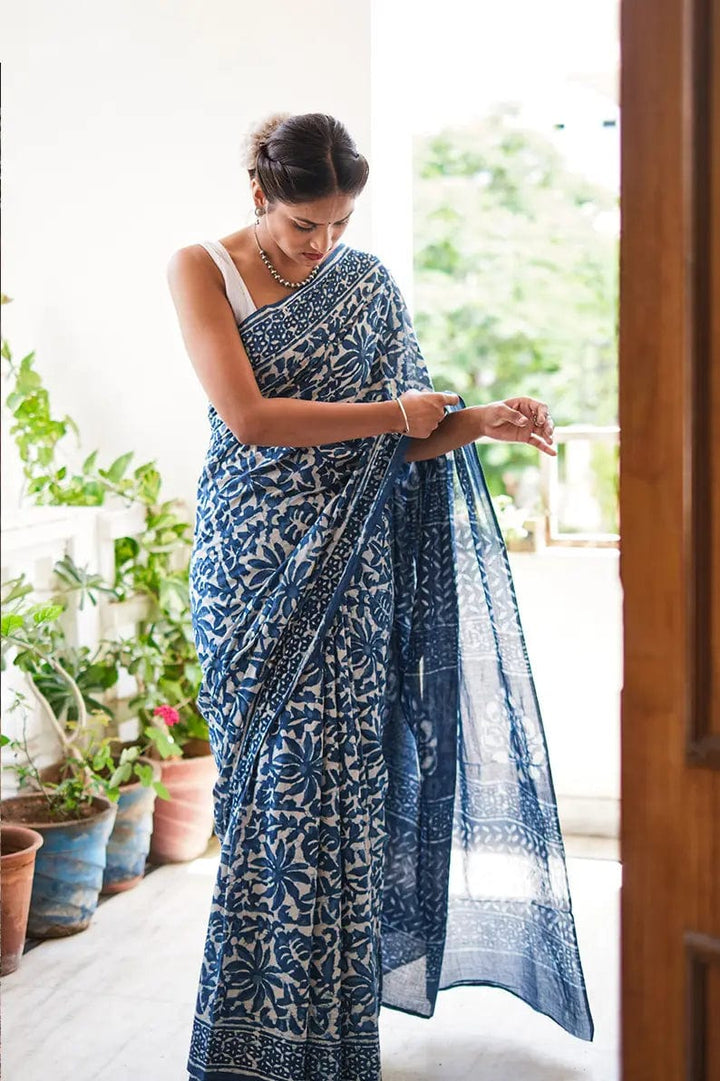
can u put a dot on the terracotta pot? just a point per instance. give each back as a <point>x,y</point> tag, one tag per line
<point>183,825</point>
<point>69,866</point>
<point>18,847</point>
<point>129,841</point>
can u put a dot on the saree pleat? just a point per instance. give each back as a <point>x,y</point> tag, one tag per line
<point>384,802</point>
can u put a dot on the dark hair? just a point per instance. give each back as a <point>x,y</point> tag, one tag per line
<point>296,159</point>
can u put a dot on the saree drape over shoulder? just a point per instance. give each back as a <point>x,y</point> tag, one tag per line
<point>384,800</point>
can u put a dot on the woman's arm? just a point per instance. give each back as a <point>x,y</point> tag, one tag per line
<point>517,420</point>
<point>455,430</point>
<point>218,356</point>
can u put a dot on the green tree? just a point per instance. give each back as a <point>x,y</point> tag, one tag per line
<point>516,275</point>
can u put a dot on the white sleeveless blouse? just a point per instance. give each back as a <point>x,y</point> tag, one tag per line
<point>235,288</point>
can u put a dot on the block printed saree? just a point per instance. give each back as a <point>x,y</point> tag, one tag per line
<point>384,802</point>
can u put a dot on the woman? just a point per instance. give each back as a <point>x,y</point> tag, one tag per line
<point>384,802</point>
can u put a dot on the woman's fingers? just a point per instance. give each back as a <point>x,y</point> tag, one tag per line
<point>426,409</point>
<point>540,414</point>
<point>506,414</point>
<point>522,420</point>
<point>541,444</point>
<point>516,417</point>
<point>542,422</point>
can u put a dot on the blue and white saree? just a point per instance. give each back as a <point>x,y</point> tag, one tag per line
<point>384,801</point>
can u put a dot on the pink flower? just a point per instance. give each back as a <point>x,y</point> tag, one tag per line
<point>168,714</point>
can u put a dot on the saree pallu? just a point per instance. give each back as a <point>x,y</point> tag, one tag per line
<point>384,802</point>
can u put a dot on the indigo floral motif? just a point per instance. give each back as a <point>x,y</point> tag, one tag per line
<point>384,799</point>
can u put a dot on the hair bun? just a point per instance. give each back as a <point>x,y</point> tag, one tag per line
<point>302,157</point>
<point>258,136</point>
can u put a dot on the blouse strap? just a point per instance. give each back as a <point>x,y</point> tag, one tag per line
<point>237,292</point>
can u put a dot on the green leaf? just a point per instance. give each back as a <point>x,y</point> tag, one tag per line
<point>10,624</point>
<point>48,613</point>
<point>15,588</point>
<point>95,492</point>
<point>126,548</point>
<point>118,467</point>
<point>163,741</point>
<point>161,790</point>
<point>171,688</point>
<point>100,676</point>
<point>160,521</point>
<point>121,774</point>
<point>144,773</point>
<point>28,381</point>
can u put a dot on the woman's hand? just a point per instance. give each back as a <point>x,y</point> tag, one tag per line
<point>425,409</point>
<point>520,420</point>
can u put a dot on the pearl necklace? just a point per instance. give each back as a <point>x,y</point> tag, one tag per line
<point>278,277</point>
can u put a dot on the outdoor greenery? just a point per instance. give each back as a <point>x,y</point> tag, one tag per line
<point>72,682</point>
<point>91,763</point>
<point>516,270</point>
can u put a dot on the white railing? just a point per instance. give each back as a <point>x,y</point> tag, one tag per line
<point>571,500</point>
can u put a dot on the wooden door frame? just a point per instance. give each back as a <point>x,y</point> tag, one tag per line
<point>670,549</point>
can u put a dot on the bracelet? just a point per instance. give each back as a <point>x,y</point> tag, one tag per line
<point>406,430</point>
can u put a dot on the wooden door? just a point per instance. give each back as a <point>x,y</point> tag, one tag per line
<point>670,560</point>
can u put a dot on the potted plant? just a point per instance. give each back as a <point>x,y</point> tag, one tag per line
<point>75,825</point>
<point>139,782</point>
<point>152,568</point>
<point>163,661</point>
<point>18,847</point>
<point>73,803</point>
<point>134,781</point>
<point>183,824</point>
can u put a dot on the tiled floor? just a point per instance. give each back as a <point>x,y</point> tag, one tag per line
<point>115,1002</point>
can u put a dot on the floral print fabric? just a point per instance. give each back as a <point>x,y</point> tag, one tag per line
<point>384,802</point>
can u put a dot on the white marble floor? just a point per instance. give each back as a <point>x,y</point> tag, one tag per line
<point>115,1002</point>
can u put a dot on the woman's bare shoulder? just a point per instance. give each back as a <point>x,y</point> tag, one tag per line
<point>194,277</point>
<point>189,259</point>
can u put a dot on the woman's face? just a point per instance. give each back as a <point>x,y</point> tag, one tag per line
<point>305,233</point>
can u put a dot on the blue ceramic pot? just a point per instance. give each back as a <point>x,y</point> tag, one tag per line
<point>68,867</point>
<point>129,841</point>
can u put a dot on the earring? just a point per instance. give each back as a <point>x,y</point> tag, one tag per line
<point>259,212</point>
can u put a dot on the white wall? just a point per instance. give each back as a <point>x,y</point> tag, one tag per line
<point>122,133</point>
<point>393,89</point>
